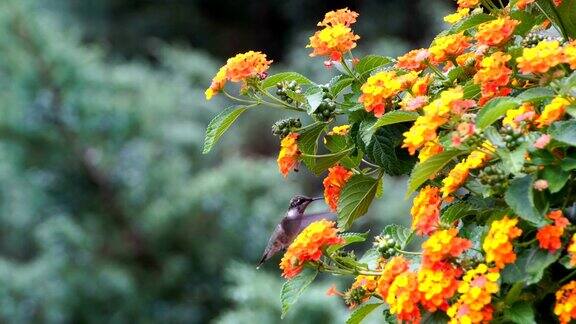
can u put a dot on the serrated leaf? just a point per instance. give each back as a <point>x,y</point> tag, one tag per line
<point>371,62</point>
<point>520,198</point>
<point>361,312</point>
<point>394,117</point>
<point>337,143</point>
<point>380,190</point>
<point>494,109</point>
<point>297,97</point>
<point>384,149</point>
<point>529,266</point>
<point>293,288</point>
<point>308,142</point>
<point>457,211</point>
<point>471,22</point>
<point>355,199</point>
<point>399,234</point>
<point>219,125</point>
<point>370,258</point>
<point>323,162</point>
<point>536,95</point>
<point>513,160</point>
<point>423,171</point>
<point>564,131</point>
<point>285,76</point>
<point>349,238</point>
<point>520,313</point>
<point>341,85</point>
<point>313,98</point>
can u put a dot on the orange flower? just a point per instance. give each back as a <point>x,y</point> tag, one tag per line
<point>572,250</point>
<point>468,3</point>
<point>333,184</point>
<point>437,284</point>
<point>420,87</point>
<point>368,283</point>
<point>308,246</point>
<point>552,112</point>
<point>426,211</point>
<point>476,289</point>
<point>565,301</point>
<point>446,47</point>
<point>496,32</point>
<point>403,297</point>
<point>344,17</point>
<point>493,75</point>
<point>430,149</point>
<point>458,176</point>
<point>498,241</point>
<point>289,154</point>
<point>378,90</point>
<point>540,58</point>
<point>550,236</point>
<point>443,244</point>
<point>521,4</point>
<point>413,60</point>
<point>239,69</point>
<point>570,54</point>
<point>333,41</point>
<point>395,266</point>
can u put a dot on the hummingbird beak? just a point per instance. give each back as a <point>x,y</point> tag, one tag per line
<point>317,198</point>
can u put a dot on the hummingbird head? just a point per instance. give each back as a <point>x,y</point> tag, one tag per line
<point>301,202</point>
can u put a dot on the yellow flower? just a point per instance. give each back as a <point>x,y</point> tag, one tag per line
<point>425,211</point>
<point>525,112</point>
<point>430,149</point>
<point>289,153</point>
<point>333,41</point>
<point>457,16</point>
<point>498,242</point>
<point>540,58</point>
<point>552,112</point>
<point>496,32</point>
<point>565,307</point>
<point>341,130</point>
<point>445,47</point>
<point>378,90</point>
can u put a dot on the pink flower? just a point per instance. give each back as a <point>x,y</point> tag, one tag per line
<point>542,141</point>
<point>541,185</point>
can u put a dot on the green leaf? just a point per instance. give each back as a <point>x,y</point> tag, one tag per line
<point>361,312</point>
<point>556,177</point>
<point>494,109</point>
<point>297,97</point>
<point>427,169</point>
<point>385,150</point>
<point>341,85</point>
<point>371,62</point>
<point>337,143</point>
<point>471,90</point>
<point>520,313</point>
<point>219,125</point>
<point>308,142</point>
<point>457,211</point>
<point>313,98</point>
<point>564,131</point>
<point>394,117</point>
<point>527,21</point>
<point>471,22</point>
<point>271,81</point>
<point>567,13</point>
<point>293,288</point>
<point>349,238</point>
<point>520,198</point>
<point>514,160</point>
<point>400,234</point>
<point>536,95</point>
<point>530,266</point>
<point>355,199</point>
<point>380,190</point>
<point>323,162</point>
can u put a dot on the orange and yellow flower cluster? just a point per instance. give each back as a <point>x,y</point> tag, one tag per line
<point>493,76</point>
<point>540,58</point>
<point>289,154</point>
<point>308,246</point>
<point>380,88</point>
<point>550,236</point>
<point>333,184</point>
<point>443,245</point>
<point>239,68</point>
<point>447,47</point>
<point>336,38</point>
<point>459,174</point>
<point>552,112</point>
<point>476,289</point>
<point>425,210</point>
<point>498,242</point>
<point>496,32</point>
<point>565,307</point>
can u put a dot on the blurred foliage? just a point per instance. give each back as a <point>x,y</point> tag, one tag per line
<point>109,212</point>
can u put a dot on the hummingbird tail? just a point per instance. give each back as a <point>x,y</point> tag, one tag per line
<point>264,258</point>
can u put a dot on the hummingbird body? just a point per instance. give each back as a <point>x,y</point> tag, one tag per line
<point>290,226</point>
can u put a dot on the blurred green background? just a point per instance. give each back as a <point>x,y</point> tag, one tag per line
<point>108,211</point>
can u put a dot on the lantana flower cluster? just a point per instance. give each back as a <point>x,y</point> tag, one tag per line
<point>482,123</point>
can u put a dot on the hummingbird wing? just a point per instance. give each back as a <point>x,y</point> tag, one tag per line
<point>275,244</point>
<point>311,218</point>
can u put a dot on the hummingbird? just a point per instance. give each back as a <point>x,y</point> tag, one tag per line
<point>291,225</point>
